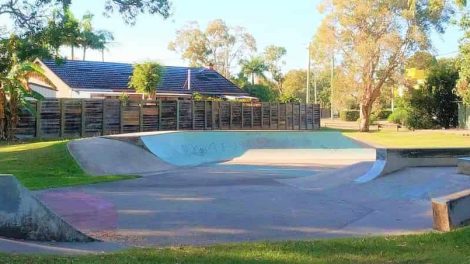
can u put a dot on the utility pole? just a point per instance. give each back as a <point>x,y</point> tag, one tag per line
<point>331,82</point>
<point>307,96</point>
<point>315,84</point>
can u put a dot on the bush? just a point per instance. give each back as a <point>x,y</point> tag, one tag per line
<point>382,114</point>
<point>349,115</point>
<point>399,116</point>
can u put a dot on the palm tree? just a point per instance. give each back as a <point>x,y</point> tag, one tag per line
<point>103,38</point>
<point>71,31</point>
<point>254,67</point>
<point>87,36</point>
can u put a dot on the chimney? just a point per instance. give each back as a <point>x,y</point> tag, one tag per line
<point>189,79</point>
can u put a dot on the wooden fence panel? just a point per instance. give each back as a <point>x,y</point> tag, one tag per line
<point>185,112</point>
<point>149,116</point>
<point>91,117</point>
<point>71,118</point>
<point>257,115</point>
<point>224,112</point>
<point>275,118</point>
<point>168,115</point>
<point>26,127</point>
<point>246,123</point>
<point>130,117</point>
<point>49,122</point>
<point>316,116</point>
<point>112,117</point>
<point>199,115</point>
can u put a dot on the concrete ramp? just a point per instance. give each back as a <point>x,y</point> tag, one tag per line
<point>102,156</point>
<point>23,216</point>
<point>391,160</point>
<point>256,147</point>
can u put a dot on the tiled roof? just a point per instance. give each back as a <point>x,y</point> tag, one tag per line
<point>115,76</point>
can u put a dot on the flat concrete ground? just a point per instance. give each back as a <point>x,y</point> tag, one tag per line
<point>233,202</point>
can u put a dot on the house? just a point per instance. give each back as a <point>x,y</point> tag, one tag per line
<point>92,79</point>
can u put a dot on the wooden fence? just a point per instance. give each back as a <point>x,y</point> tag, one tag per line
<point>93,117</point>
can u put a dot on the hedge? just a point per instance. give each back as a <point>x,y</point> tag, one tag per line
<point>349,115</point>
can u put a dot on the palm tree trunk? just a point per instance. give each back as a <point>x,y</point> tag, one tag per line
<point>102,55</point>
<point>72,53</point>
<point>84,52</point>
<point>252,79</point>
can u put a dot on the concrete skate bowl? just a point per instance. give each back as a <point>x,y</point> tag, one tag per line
<point>257,148</point>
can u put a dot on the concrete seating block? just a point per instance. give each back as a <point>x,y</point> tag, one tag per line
<point>464,165</point>
<point>451,211</point>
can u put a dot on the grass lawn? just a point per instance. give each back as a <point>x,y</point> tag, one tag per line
<point>44,165</point>
<point>410,139</point>
<point>447,248</point>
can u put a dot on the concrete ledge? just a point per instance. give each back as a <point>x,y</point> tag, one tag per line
<point>23,216</point>
<point>464,166</point>
<point>451,211</point>
<point>391,160</point>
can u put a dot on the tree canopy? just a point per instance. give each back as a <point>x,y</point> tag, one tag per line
<point>145,78</point>
<point>372,39</point>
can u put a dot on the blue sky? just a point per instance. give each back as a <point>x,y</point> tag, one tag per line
<point>290,24</point>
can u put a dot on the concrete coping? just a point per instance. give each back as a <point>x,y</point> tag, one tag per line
<point>451,211</point>
<point>389,160</point>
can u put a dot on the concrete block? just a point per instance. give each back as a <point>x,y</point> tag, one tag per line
<point>451,211</point>
<point>464,166</point>
<point>23,216</point>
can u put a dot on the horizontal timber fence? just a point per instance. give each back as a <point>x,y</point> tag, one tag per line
<point>96,117</point>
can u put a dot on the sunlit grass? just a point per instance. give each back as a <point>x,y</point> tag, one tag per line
<point>41,165</point>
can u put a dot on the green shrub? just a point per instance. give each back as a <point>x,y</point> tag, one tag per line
<point>399,116</point>
<point>349,115</point>
<point>382,114</point>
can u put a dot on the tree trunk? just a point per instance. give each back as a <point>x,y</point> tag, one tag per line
<point>2,113</point>
<point>102,55</point>
<point>252,79</point>
<point>365,116</point>
<point>72,53</point>
<point>84,53</point>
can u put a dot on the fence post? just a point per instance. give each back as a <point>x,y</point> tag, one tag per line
<point>213,114</point>
<point>270,115</point>
<point>160,114</point>
<point>243,114</point>
<point>279,115</point>
<point>252,114</point>
<point>103,123</point>
<point>193,112</point>
<point>62,117</point>
<point>262,116</point>
<point>82,132</point>
<point>231,114</point>
<point>205,115</point>
<point>177,114</point>
<point>141,116</point>
<point>220,115</point>
<point>121,118</point>
<point>38,118</point>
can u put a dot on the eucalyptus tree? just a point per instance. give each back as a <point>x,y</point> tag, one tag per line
<point>372,39</point>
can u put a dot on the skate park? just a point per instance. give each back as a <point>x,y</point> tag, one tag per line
<point>201,188</point>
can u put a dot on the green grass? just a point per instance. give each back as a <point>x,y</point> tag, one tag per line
<point>41,165</point>
<point>410,139</point>
<point>447,248</point>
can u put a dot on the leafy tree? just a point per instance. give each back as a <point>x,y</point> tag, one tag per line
<point>14,89</point>
<point>273,56</point>
<point>218,45</point>
<point>261,91</point>
<point>422,60</point>
<point>71,32</point>
<point>374,38</point>
<point>145,78</point>
<point>254,67</point>
<point>440,84</point>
